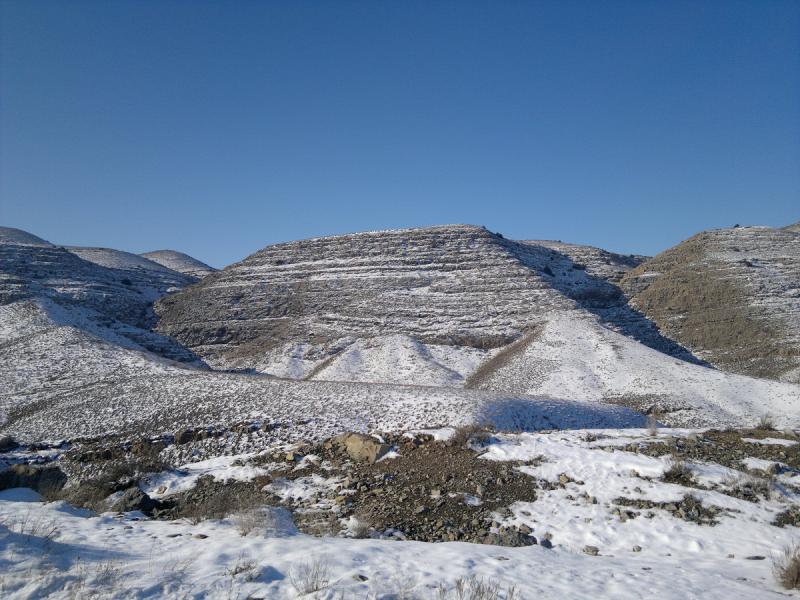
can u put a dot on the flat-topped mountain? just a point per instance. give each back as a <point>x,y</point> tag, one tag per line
<point>731,295</point>
<point>460,286</point>
<point>180,262</point>
<point>455,285</point>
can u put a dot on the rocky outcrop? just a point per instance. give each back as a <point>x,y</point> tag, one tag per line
<point>129,500</point>
<point>731,295</point>
<point>458,285</point>
<point>45,480</point>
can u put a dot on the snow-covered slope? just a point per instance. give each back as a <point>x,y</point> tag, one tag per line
<point>108,301</point>
<point>180,262</point>
<point>730,295</point>
<point>387,329</point>
<point>579,358</point>
<point>795,227</point>
<point>145,273</point>
<point>63,382</point>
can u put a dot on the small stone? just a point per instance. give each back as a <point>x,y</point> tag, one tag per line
<point>545,543</point>
<point>564,479</point>
<point>200,536</point>
<point>637,548</point>
<point>591,550</point>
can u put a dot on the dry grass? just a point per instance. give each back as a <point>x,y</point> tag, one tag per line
<point>787,568</point>
<point>749,485</point>
<point>473,588</point>
<point>679,473</point>
<point>766,423</point>
<point>32,525</point>
<point>310,577</point>
<point>361,528</point>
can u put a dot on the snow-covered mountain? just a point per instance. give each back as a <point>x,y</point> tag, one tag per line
<point>731,295</point>
<point>457,306</point>
<point>458,286</point>
<point>105,292</point>
<point>180,262</point>
<point>11,235</point>
<point>422,328</point>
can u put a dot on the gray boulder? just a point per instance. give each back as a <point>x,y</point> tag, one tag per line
<point>131,499</point>
<point>360,447</point>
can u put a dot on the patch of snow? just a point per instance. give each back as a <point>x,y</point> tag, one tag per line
<point>771,441</point>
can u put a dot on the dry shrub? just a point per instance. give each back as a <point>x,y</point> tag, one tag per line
<point>467,433</point>
<point>473,588</point>
<point>245,567</point>
<point>310,577</point>
<point>747,486</point>
<point>259,518</point>
<point>679,473</point>
<point>787,567</point>
<point>361,528</point>
<point>766,423</point>
<point>221,501</point>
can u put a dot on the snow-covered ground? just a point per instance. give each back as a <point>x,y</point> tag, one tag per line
<point>53,550</point>
<point>579,358</point>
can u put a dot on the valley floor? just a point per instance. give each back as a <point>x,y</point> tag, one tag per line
<point>616,515</point>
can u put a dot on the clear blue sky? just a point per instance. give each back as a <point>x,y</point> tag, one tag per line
<point>219,127</point>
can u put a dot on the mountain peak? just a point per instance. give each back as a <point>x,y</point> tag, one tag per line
<point>12,235</point>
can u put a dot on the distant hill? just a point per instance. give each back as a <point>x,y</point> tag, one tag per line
<point>12,235</point>
<point>107,293</point>
<point>180,262</point>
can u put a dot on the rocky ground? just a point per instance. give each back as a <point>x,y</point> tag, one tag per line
<point>402,486</point>
<point>721,499</point>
